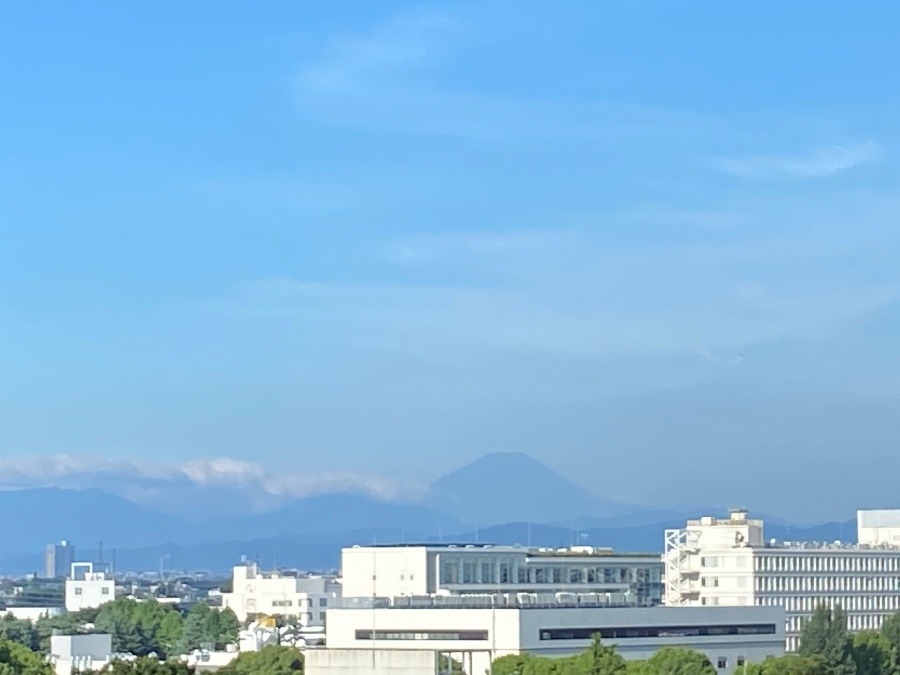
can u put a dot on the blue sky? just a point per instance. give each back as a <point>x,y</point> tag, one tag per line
<point>655,245</point>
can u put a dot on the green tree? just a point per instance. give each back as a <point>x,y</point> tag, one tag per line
<point>512,664</point>
<point>169,634</point>
<point>890,629</point>
<point>227,627</point>
<point>16,659</point>
<point>271,660</point>
<point>204,625</point>
<point>791,664</point>
<point>679,661</point>
<point>825,635</point>
<point>871,653</point>
<point>19,630</point>
<point>601,660</point>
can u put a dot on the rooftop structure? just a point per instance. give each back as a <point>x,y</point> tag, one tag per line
<point>728,562</point>
<point>423,570</point>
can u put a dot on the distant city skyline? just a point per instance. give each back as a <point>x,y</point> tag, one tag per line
<point>339,247</point>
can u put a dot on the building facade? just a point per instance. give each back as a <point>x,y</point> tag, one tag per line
<point>86,588</point>
<point>473,633</point>
<point>78,653</point>
<point>58,558</point>
<point>306,598</point>
<point>728,562</point>
<point>420,570</point>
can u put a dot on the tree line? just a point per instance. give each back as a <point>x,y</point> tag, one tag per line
<point>138,628</point>
<point>17,659</point>
<point>154,633</point>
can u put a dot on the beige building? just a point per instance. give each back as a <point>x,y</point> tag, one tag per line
<point>728,562</point>
<point>305,598</point>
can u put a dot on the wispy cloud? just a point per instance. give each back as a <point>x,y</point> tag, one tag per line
<point>822,162</point>
<point>576,293</point>
<point>390,78</point>
<point>139,479</point>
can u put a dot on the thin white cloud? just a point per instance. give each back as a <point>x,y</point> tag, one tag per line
<point>570,293</point>
<point>389,78</point>
<point>822,162</point>
<point>135,479</point>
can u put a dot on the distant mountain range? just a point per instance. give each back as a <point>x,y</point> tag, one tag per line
<point>490,500</point>
<point>507,486</point>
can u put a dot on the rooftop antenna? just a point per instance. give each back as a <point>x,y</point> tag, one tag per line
<point>100,552</point>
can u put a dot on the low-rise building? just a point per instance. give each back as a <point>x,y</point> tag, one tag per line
<point>255,593</point>
<point>475,630</point>
<point>86,588</point>
<point>76,653</point>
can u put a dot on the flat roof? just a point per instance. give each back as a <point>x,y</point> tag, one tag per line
<point>529,551</point>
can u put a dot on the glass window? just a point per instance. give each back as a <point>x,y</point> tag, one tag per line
<point>449,571</point>
<point>487,572</point>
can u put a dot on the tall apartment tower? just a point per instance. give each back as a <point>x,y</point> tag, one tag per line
<point>58,560</point>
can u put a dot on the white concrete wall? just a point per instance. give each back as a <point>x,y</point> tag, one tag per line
<point>368,571</point>
<point>93,591</point>
<point>750,648</point>
<point>369,662</point>
<point>510,631</point>
<point>878,526</point>
<point>98,646</point>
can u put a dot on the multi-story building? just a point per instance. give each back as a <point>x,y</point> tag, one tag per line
<point>86,588</point>
<point>419,570</point>
<point>406,607</point>
<point>57,560</point>
<point>306,598</point>
<point>728,562</point>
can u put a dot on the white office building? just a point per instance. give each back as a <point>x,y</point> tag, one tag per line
<point>255,593</point>
<point>419,570</point>
<point>476,629</point>
<point>86,588</point>
<point>728,562</point>
<point>406,606</point>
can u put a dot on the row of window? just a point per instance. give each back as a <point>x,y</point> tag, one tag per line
<point>716,561</point>
<point>827,583</point>
<point>103,591</point>
<point>455,570</point>
<point>620,632</point>
<point>848,562</point>
<point>888,604</point>
<point>446,635</point>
